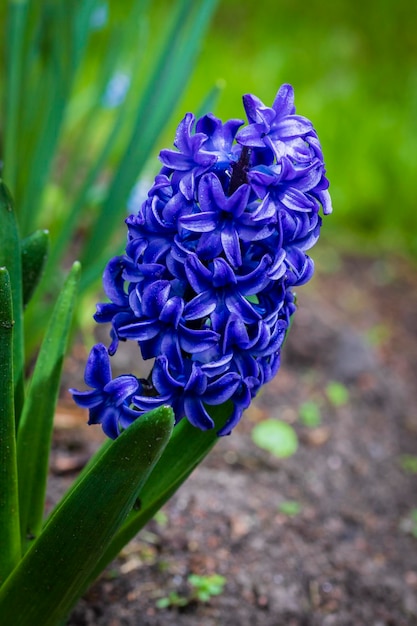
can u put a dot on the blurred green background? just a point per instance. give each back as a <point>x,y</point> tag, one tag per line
<point>353,65</point>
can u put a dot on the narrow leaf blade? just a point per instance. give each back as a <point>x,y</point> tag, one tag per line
<point>16,18</point>
<point>35,429</point>
<point>170,75</point>
<point>10,257</point>
<point>55,571</point>
<point>34,255</point>
<point>187,448</point>
<point>9,510</point>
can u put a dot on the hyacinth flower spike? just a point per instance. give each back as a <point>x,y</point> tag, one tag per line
<point>212,259</point>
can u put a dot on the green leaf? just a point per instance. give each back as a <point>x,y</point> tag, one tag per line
<point>10,257</point>
<point>9,503</point>
<point>309,414</point>
<point>337,393</point>
<point>187,448</point>
<point>290,508</point>
<point>35,428</point>
<point>16,18</point>
<point>276,436</point>
<point>34,255</point>
<point>120,38</point>
<point>54,53</point>
<point>207,586</point>
<point>55,571</point>
<point>169,76</point>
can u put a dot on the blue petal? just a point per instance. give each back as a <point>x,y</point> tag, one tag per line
<point>284,101</point>
<point>209,245</point>
<point>109,421</point>
<point>256,110</point>
<point>254,282</point>
<point>200,222</point>
<point>231,246</point>
<point>127,416</point>
<point>140,331</point>
<point>172,311</point>
<point>198,275</point>
<point>292,126</point>
<point>113,281</point>
<point>148,403</point>
<point>296,200</point>
<point>105,312</point>
<point>87,399</point>
<point>195,341</point>
<point>235,333</point>
<point>223,275</point>
<point>121,388</point>
<point>154,297</point>
<point>233,420</point>
<point>197,381</point>
<point>252,136</point>
<point>200,306</point>
<point>197,414</point>
<point>222,389</point>
<point>162,378</point>
<point>97,370</point>
<point>237,304</point>
<point>217,367</point>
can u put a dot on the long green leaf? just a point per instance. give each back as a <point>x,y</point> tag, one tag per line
<point>53,574</point>
<point>87,128</point>
<point>16,17</point>
<point>187,448</point>
<point>9,502</point>
<point>55,52</point>
<point>34,255</point>
<point>35,428</point>
<point>118,38</point>
<point>10,257</point>
<point>169,77</point>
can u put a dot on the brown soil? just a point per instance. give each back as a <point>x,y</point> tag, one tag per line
<point>349,556</point>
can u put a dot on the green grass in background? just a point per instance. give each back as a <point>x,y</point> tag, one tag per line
<point>353,65</point>
<point>69,151</point>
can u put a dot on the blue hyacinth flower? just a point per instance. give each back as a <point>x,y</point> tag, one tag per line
<point>206,284</point>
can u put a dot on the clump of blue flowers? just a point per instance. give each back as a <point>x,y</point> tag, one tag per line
<point>206,286</point>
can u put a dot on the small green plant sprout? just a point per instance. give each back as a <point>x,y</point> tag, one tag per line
<point>337,393</point>
<point>204,587</point>
<point>173,599</point>
<point>310,414</point>
<point>291,508</point>
<point>408,463</point>
<point>161,518</point>
<point>276,436</point>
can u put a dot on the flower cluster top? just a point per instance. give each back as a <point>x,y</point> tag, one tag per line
<point>206,284</point>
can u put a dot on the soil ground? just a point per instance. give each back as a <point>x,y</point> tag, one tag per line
<point>348,557</point>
